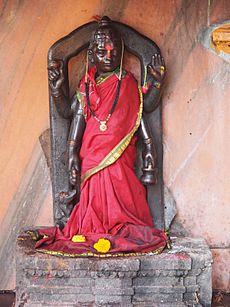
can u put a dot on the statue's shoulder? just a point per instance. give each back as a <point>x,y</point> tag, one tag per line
<point>130,77</point>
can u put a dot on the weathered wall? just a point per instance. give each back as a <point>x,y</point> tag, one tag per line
<point>195,106</point>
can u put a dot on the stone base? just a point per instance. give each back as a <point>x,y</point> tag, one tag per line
<point>178,277</point>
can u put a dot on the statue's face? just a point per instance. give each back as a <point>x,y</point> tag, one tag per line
<point>106,49</point>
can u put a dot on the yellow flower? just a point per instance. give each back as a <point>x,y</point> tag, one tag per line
<point>102,245</point>
<point>78,238</point>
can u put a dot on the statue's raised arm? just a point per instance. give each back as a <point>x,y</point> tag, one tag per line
<point>152,90</point>
<point>56,81</point>
<point>156,72</point>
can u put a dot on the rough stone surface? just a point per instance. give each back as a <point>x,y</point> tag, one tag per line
<point>24,210</point>
<point>170,209</point>
<point>178,277</point>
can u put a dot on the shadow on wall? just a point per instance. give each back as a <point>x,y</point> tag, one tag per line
<point>29,207</point>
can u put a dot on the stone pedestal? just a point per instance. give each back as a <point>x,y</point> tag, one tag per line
<point>178,277</point>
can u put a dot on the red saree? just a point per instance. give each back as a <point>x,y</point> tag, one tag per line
<point>112,216</point>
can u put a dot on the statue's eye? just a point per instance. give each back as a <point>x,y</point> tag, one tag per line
<point>99,36</point>
<point>101,52</point>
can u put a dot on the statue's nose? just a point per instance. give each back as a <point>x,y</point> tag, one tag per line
<point>101,44</point>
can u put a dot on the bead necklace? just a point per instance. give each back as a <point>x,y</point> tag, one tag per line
<point>103,123</point>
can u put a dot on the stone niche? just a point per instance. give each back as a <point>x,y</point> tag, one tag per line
<point>180,276</point>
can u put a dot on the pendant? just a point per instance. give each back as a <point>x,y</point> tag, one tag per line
<point>103,126</point>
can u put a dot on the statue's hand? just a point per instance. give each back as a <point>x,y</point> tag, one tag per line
<point>74,169</point>
<point>148,159</point>
<point>157,68</point>
<point>149,170</point>
<point>56,77</point>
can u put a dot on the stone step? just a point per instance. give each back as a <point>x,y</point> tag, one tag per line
<point>177,277</point>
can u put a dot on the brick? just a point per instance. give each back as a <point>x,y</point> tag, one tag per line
<point>142,290</point>
<point>56,304</point>
<point>33,305</point>
<point>190,280</point>
<point>144,304</point>
<point>156,281</point>
<point>113,299</point>
<point>64,298</point>
<point>118,264</point>
<point>158,297</point>
<point>113,283</point>
<point>192,288</point>
<point>114,291</point>
<point>194,272</point>
<point>181,273</point>
<point>204,280</point>
<point>49,291</point>
<point>190,297</point>
<point>59,282</point>
<point>200,260</point>
<point>180,261</point>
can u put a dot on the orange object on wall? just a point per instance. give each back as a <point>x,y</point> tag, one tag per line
<point>221,38</point>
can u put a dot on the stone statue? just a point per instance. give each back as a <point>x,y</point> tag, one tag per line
<point>106,61</point>
<point>112,214</point>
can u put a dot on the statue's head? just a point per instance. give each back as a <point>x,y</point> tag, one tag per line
<point>106,46</point>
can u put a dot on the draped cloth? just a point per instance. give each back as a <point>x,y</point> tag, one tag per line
<point>112,204</point>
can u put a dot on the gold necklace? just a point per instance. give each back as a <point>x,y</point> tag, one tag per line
<point>103,123</point>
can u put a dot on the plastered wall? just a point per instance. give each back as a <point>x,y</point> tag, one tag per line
<point>196,108</point>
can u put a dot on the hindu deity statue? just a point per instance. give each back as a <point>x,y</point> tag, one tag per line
<point>112,215</point>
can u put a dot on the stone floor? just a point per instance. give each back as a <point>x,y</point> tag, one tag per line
<point>7,299</point>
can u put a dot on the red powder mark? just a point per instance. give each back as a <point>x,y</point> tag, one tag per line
<point>96,17</point>
<point>108,47</point>
<point>181,256</point>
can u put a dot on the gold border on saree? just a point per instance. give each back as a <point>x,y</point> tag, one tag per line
<point>117,151</point>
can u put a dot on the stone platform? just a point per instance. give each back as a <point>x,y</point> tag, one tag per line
<point>178,277</point>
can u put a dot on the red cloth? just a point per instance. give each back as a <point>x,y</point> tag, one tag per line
<point>113,201</point>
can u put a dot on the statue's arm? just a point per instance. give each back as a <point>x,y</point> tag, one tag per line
<point>154,83</point>
<point>76,132</point>
<point>56,82</point>
<point>77,129</point>
<point>149,153</point>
